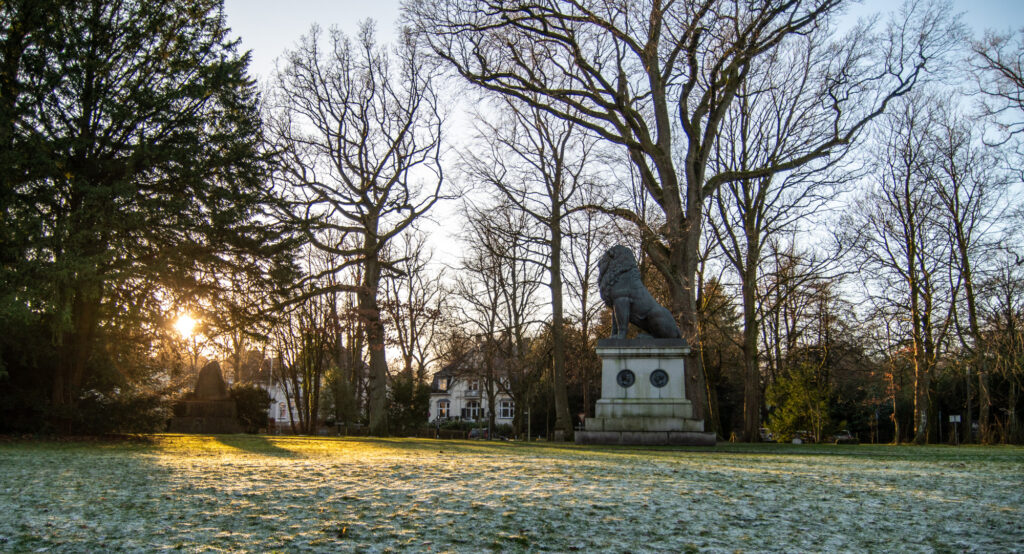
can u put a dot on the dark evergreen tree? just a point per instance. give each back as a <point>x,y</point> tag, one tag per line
<point>132,171</point>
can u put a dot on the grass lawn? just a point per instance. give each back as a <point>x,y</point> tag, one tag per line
<point>236,492</point>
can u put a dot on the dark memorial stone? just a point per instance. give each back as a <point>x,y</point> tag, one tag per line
<point>210,384</point>
<point>210,410</point>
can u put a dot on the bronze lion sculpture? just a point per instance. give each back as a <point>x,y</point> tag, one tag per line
<point>621,289</point>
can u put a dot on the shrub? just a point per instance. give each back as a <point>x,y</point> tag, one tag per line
<point>252,403</point>
<point>408,406</point>
<point>119,411</point>
<point>459,425</point>
<point>800,402</point>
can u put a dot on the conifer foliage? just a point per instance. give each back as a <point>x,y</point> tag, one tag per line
<point>131,172</point>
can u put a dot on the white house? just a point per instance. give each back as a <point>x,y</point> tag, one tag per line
<point>278,411</point>
<point>460,395</point>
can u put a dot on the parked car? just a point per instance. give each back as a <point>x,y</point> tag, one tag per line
<point>803,437</point>
<point>845,437</point>
<point>478,433</point>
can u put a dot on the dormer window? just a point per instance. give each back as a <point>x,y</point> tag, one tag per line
<point>442,384</point>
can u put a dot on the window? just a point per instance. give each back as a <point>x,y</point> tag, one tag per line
<point>506,409</point>
<point>474,385</point>
<point>282,410</point>
<point>472,410</point>
<point>443,407</point>
<point>442,384</point>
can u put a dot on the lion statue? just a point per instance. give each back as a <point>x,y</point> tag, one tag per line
<point>621,289</point>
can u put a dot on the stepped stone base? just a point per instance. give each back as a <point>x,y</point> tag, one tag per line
<point>646,438</point>
<point>644,424</point>
<point>205,425</point>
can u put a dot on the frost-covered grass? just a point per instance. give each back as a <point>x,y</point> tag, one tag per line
<point>197,493</point>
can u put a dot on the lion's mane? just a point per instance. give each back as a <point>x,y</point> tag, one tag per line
<point>616,268</point>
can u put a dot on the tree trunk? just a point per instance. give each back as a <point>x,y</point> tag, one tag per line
<point>563,421</point>
<point>491,399</point>
<point>895,416</point>
<point>984,404</point>
<point>684,302</point>
<point>972,318</point>
<point>922,386</point>
<point>370,312</point>
<point>752,374</point>
<point>77,347</point>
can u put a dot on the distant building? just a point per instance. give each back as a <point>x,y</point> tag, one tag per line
<point>278,411</point>
<point>457,393</point>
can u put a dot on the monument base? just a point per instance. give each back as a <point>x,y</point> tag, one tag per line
<point>208,417</point>
<point>643,397</point>
<point>646,438</point>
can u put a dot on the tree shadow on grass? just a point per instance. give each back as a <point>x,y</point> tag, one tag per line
<point>256,444</point>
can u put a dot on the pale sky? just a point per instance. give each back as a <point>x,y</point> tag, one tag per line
<point>269,27</point>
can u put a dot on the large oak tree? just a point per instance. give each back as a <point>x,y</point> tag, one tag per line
<point>657,77</point>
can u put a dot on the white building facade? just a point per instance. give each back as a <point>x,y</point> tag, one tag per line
<point>463,398</point>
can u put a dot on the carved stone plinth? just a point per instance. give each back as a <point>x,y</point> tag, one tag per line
<point>643,396</point>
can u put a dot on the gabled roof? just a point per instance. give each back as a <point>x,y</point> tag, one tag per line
<point>469,365</point>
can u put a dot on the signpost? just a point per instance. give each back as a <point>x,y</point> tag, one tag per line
<point>955,420</point>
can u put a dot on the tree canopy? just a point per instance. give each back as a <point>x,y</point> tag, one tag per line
<point>133,174</point>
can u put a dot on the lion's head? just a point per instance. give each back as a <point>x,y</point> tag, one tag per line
<point>617,263</point>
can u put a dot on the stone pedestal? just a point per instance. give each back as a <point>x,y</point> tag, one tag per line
<point>207,417</point>
<point>643,396</point>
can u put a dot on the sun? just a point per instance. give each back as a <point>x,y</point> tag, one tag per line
<point>185,325</point>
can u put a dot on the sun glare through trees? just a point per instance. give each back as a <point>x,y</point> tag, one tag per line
<point>185,325</point>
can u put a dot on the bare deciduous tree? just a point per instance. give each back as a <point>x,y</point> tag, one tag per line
<point>415,303</point>
<point>998,62</point>
<point>970,187</point>
<point>902,248</point>
<point>652,76</point>
<point>497,286</point>
<point>536,163</point>
<point>360,128</point>
<point>773,117</point>
<point>589,236</point>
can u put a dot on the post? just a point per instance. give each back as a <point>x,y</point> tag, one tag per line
<point>528,429</point>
